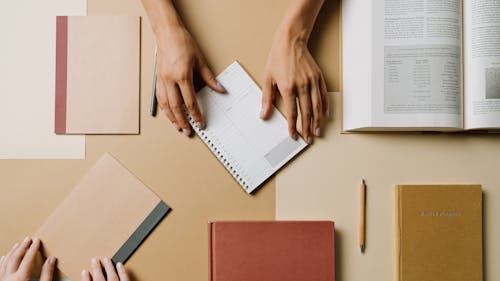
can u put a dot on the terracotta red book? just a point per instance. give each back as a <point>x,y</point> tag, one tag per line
<point>272,251</point>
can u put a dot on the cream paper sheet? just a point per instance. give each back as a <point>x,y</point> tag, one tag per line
<point>27,80</point>
<point>323,183</point>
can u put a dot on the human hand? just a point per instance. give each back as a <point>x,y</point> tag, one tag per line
<point>112,274</point>
<point>292,71</point>
<point>178,57</point>
<point>18,264</point>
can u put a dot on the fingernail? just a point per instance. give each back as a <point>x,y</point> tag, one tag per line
<point>295,136</point>
<point>52,260</point>
<point>261,114</point>
<point>186,132</point>
<point>106,260</point>
<point>119,265</point>
<point>15,245</point>
<point>84,272</point>
<point>309,140</point>
<point>220,86</point>
<point>93,261</point>
<point>318,132</point>
<point>177,128</point>
<point>26,239</point>
<point>36,240</point>
<point>200,125</point>
<point>328,113</point>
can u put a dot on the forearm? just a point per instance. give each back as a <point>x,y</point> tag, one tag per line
<point>162,16</point>
<point>299,19</point>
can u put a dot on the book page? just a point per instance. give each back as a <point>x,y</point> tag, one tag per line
<point>417,64</point>
<point>356,64</point>
<point>250,148</point>
<point>482,64</point>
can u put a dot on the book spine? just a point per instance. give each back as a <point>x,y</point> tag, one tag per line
<point>61,74</point>
<point>141,232</point>
<point>210,252</point>
<point>224,156</point>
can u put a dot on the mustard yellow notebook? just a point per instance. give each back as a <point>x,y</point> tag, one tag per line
<point>439,233</point>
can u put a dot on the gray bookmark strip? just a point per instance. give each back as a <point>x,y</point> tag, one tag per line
<point>141,233</point>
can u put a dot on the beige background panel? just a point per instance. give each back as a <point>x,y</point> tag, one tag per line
<point>335,165</point>
<point>27,86</point>
<point>103,75</point>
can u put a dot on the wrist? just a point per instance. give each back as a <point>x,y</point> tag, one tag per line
<point>167,27</point>
<point>164,19</point>
<point>165,31</point>
<point>292,32</point>
<point>299,20</point>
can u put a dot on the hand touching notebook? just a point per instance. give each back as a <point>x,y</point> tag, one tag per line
<point>250,148</point>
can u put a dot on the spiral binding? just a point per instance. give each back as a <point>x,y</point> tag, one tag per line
<point>220,154</point>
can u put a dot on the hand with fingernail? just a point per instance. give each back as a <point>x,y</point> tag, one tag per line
<point>18,264</point>
<point>110,273</point>
<point>177,58</point>
<point>292,72</point>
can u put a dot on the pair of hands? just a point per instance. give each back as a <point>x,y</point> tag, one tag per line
<point>290,71</point>
<point>18,265</point>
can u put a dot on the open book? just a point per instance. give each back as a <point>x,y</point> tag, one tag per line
<point>421,65</point>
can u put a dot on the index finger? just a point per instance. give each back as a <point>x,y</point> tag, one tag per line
<point>188,95</point>
<point>291,111</point>
<point>5,260</point>
<point>111,274</point>
<point>175,102</point>
<point>28,261</point>
<point>96,270</point>
<point>324,96</point>
<point>122,272</point>
<point>17,256</point>
<point>47,273</point>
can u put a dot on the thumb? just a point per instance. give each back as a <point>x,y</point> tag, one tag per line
<point>209,78</point>
<point>267,99</point>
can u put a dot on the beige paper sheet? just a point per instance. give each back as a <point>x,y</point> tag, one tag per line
<point>103,75</point>
<point>27,80</point>
<point>97,217</point>
<point>323,183</point>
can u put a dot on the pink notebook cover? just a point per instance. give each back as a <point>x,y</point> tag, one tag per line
<point>97,75</point>
<point>272,251</point>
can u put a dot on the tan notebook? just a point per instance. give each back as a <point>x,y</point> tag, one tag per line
<point>439,233</point>
<point>97,75</point>
<point>108,214</point>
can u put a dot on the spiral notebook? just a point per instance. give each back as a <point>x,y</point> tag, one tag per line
<point>250,148</point>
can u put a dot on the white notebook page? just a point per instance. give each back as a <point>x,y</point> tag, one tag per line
<point>250,148</point>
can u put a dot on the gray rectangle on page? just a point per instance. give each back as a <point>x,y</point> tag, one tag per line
<point>282,151</point>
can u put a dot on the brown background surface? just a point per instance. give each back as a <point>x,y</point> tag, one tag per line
<point>182,171</point>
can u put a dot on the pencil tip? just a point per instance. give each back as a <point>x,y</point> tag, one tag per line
<point>363,181</point>
<point>362,248</point>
